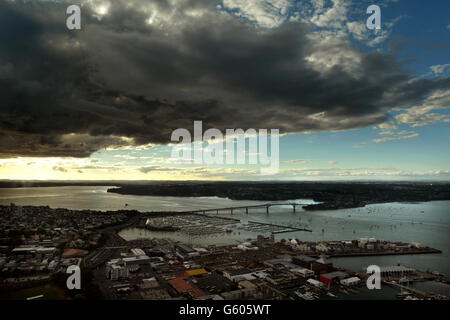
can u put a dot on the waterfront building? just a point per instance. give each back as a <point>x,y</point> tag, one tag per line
<point>331,277</point>
<point>350,281</point>
<point>303,261</point>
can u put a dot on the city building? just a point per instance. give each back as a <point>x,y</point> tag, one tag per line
<point>196,272</point>
<point>303,261</point>
<point>184,287</point>
<point>116,272</point>
<point>350,281</point>
<point>138,252</point>
<point>239,294</point>
<point>315,283</point>
<point>305,273</point>
<point>136,260</point>
<point>332,277</point>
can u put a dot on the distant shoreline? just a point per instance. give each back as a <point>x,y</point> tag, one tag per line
<point>329,195</point>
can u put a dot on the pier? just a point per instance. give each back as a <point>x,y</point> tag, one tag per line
<point>275,228</point>
<point>418,293</point>
<point>287,228</point>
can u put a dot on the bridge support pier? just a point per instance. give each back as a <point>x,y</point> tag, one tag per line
<point>259,206</point>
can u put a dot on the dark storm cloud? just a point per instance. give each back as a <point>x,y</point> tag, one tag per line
<point>70,93</point>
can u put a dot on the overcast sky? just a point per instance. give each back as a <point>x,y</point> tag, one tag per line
<point>102,102</point>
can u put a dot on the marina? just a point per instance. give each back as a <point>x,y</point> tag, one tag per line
<point>202,224</point>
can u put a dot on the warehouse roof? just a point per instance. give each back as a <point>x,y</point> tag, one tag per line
<point>196,272</point>
<point>305,258</point>
<point>182,286</point>
<point>335,274</point>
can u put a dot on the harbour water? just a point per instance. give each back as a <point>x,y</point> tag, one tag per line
<point>427,223</point>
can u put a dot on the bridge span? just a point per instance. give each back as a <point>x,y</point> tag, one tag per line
<point>231,209</point>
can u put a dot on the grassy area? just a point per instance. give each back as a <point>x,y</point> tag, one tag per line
<point>50,292</point>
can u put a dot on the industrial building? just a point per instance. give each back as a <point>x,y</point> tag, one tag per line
<point>138,252</point>
<point>315,283</point>
<point>196,272</point>
<point>332,277</point>
<point>37,252</point>
<point>303,261</point>
<point>120,268</point>
<point>239,294</point>
<point>185,249</point>
<point>350,281</point>
<point>242,274</point>
<point>184,287</point>
<point>305,273</point>
<point>136,260</point>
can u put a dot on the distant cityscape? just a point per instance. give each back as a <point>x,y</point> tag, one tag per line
<point>40,243</point>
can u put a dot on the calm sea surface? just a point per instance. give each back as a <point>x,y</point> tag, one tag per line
<point>428,223</point>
